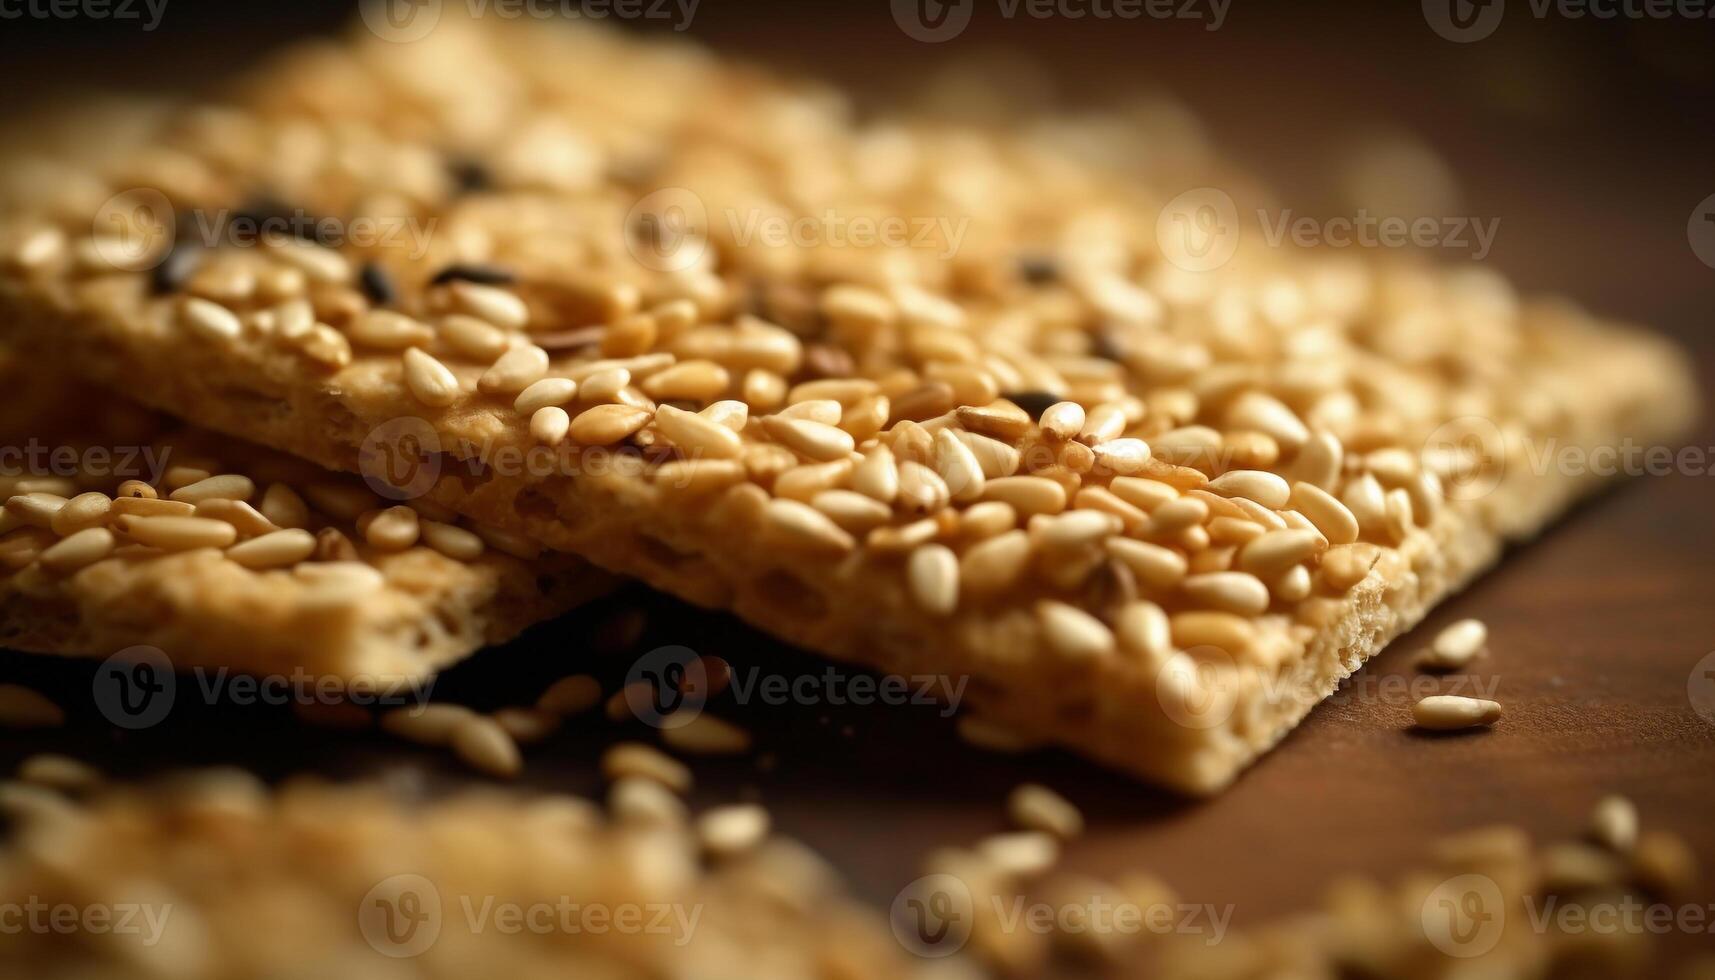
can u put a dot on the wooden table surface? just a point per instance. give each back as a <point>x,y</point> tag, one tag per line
<point>1595,629</point>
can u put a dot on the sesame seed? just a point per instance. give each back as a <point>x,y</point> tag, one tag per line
<point>693,433</point>
<point>549,425</point>
<point>454,542</point>
<point>497,306</point>
<point>730,830</point>
<point>1234,592</point>
<point>487,747</point>
<point>85,547</point>
<point>483,275</point>
<point>1450,712</point>
<point>475,339</point>
<point>518,368</point>
<point>178,533</point>
<point>1072,632</point>
<point>210,321</point>
<point>1614,824</point>
<point>815,440</point>
<point>389,330</point>
<point>605,425</point>
<point>548,392</point>
<point>1455,646</point>
<point>704,734</point>
<point>376,284</point>
<point>22,707</point>
<point>1036,807</point>
<point>570,696</point>
<point>801,525</point>
<point>429,380</point>
<point>933,572</point>
<point>227,486</point>
<point>277,549</point>
<point>1261,486</point>
<point>636,760</point>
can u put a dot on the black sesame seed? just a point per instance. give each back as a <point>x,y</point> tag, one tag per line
<point>486,275</point>
<point>175,269</point>
<point>470,176</point>
<point>377,284</point>
<point>1034,403</point>
<point>1038,270</point>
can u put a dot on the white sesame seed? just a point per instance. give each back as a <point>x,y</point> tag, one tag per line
<point>1036,807</point>
<point>546,393</point>
<point>704,734</point>
<point>518,368</point>
<point>1235,592</point>
<point>815,440</point>
<point>1455,646</point>
<point>86,547</point>
<point>549,425</point>
<point>634,759</point>
<point>933,572</point>
<point>229,486</point>
<point>210,320</point>
<point>1614,824</point>
<point>1448,712</point>
<point>487,747</point>
<point>277,549</point>
<point>1259,485</point>
<point>429,380</point>
<point>178,533</point>
<point>728,830</point>
<point>454,542</point>
<point>497,306</point>
<point>1072,632</point>
<point>693,433</point>
<point>605,425</point>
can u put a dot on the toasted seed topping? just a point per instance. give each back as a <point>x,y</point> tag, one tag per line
<point>1035,807</point>
<point>704,734</point>
<point>21,707</point>
<point>1448,712</point>
<point>569,696</point>
<point>484,745</point>
<point>1614,824</point>
<point>634,759</point>
<point>1455,646</point>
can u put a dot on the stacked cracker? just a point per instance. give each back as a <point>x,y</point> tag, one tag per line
<point>1156,511</point>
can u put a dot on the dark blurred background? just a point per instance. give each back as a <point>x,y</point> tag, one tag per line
<point>1588,137</point>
